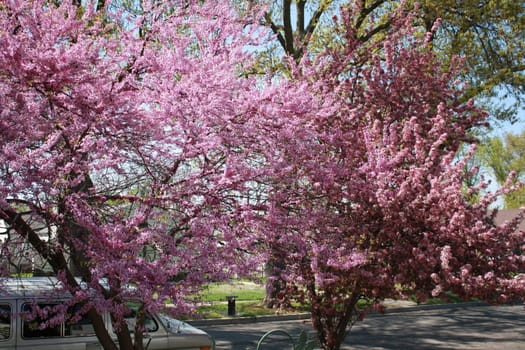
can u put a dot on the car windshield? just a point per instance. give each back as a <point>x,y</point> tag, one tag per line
<point>131,318</point>
<point>170,323</point>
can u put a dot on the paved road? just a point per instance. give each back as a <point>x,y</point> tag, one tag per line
<point>472,327</point>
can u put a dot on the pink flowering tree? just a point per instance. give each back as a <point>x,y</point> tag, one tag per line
<point>126,165</point>
<point>369,202</point>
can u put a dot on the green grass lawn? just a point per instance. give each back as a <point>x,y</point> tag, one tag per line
<point>248,302</point>
<point>243,290</point>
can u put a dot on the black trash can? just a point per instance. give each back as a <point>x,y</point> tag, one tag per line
<point>231,304</point>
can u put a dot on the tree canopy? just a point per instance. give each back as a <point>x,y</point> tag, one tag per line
<point>372,203</point>
<point>502,156</point>
<point>487,33</point>
<point>123,137</point>
<point>154,163</point>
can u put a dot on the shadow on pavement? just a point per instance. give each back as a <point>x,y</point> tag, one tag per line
<point>449,327</point>
<point>457,328</point>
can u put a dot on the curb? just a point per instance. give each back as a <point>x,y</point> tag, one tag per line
<point>249,319</point>
<point>397,310</point>
<point>306,316</point>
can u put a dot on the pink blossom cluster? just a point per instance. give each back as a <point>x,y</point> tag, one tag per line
<point>373,201</point>
<point>157,164</point>
<point>134,141</point>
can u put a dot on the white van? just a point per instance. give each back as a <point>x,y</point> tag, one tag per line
<point>19,295</point>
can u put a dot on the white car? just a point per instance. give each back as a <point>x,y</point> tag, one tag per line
<point>17,296</point>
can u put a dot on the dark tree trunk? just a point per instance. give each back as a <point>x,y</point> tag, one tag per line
<point>276,286</point>
<point>331,322</point>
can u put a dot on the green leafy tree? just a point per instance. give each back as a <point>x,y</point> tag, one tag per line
<point>503,155</point>
<point>488,33</point>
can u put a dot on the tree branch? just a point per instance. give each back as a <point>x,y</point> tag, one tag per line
<point>366,11</point>
<point>275,29</point>
<point>374,31</point>
<point>300,18</point>
<point>288,31</point>
<point>312,25</point>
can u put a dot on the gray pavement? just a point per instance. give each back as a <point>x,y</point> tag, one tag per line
<point>457,326</point>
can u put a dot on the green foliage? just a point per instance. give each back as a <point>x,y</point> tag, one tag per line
<point>503,156</point>
<point>489,34</point>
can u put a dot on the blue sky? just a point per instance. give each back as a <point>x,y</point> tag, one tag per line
<point>515,128</point>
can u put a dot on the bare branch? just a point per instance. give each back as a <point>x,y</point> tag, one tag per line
<point>288,31</point>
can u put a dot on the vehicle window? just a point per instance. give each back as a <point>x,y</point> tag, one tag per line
<point>150,324</point>
<point>5,322</point>
<point>32,323</point>
<point>78,328</point>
